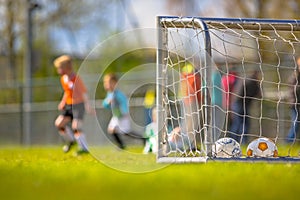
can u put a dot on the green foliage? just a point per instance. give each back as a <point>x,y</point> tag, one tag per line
<point>130,60</point>
<point>125,63</point>
<point>47,173</point>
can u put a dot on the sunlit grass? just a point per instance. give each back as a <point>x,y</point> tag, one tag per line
<point>47,173</point>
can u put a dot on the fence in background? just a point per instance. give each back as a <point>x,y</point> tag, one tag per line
<point>43,110</point>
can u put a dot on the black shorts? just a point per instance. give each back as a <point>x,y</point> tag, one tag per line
<point>75,111</point>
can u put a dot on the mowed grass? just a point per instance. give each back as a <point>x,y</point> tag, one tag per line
<point>47,173</point>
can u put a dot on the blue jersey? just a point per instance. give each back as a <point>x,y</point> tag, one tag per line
<point>117,102</point>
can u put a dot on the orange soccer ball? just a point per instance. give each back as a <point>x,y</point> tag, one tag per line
<point>262,147</point>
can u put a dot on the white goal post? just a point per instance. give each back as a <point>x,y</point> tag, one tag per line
<point>193,53</point>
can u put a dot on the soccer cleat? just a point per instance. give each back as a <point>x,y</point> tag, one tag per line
<point>122,147</point>
<point>81,152</point>
<point>67,147</point>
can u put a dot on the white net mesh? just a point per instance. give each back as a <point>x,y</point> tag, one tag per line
<point>240,81</point>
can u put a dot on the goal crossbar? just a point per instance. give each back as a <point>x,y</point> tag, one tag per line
<point>240,23</point>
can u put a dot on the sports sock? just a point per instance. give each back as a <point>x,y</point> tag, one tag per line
<point>81,141</point>
<point>67,134</point>
<point>118,140</point>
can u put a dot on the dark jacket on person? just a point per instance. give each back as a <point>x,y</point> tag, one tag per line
<point>247,89</point>
<point>294,90</point>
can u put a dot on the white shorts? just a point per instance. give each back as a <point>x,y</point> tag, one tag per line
<point>151,144</point>
<point>120,125</point>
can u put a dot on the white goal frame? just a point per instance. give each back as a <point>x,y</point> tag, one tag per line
<point>165,22</point>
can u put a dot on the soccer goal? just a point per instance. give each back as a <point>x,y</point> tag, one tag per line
<point>227,78</point>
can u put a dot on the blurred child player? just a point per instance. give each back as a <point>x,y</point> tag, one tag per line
<point>151,135</point>
<point>118,103</point>
<point>73,105</point>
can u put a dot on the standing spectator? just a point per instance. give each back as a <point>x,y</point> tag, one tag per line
<point>190,92</point>
<point>149,102</point>
<point>228,83</point>
<point>217,103</point>
<point>247,90</point>
<point>294,97</point>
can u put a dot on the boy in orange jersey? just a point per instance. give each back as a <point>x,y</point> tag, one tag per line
<point>73,105</point>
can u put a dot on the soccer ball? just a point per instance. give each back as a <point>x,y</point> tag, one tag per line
<point>227,148</point>
<point>262,147</point>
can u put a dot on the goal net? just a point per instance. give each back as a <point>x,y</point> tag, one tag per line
<point>227,78</point>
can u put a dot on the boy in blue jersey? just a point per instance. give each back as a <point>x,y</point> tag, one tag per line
<point>118,103</point>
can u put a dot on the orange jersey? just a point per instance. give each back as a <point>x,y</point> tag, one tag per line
<point>191,87</point>
<point>74,89</point>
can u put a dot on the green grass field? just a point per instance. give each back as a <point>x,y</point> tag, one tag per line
<point>47,173</point>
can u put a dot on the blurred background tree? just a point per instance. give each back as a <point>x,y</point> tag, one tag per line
<point>289,9</point>
<point>59,20</point>
<point>269,50</point>
<point>48,15</point>
<point>263,9</point>
<point>110,17</point>
<point>76,27</point>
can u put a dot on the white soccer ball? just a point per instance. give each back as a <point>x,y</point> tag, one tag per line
<point>262,147</point>
<point>227,148</point>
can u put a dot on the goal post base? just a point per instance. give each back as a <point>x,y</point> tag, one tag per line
<point>177,160</point>
<point>182,160</point>
<point>257,160</point>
